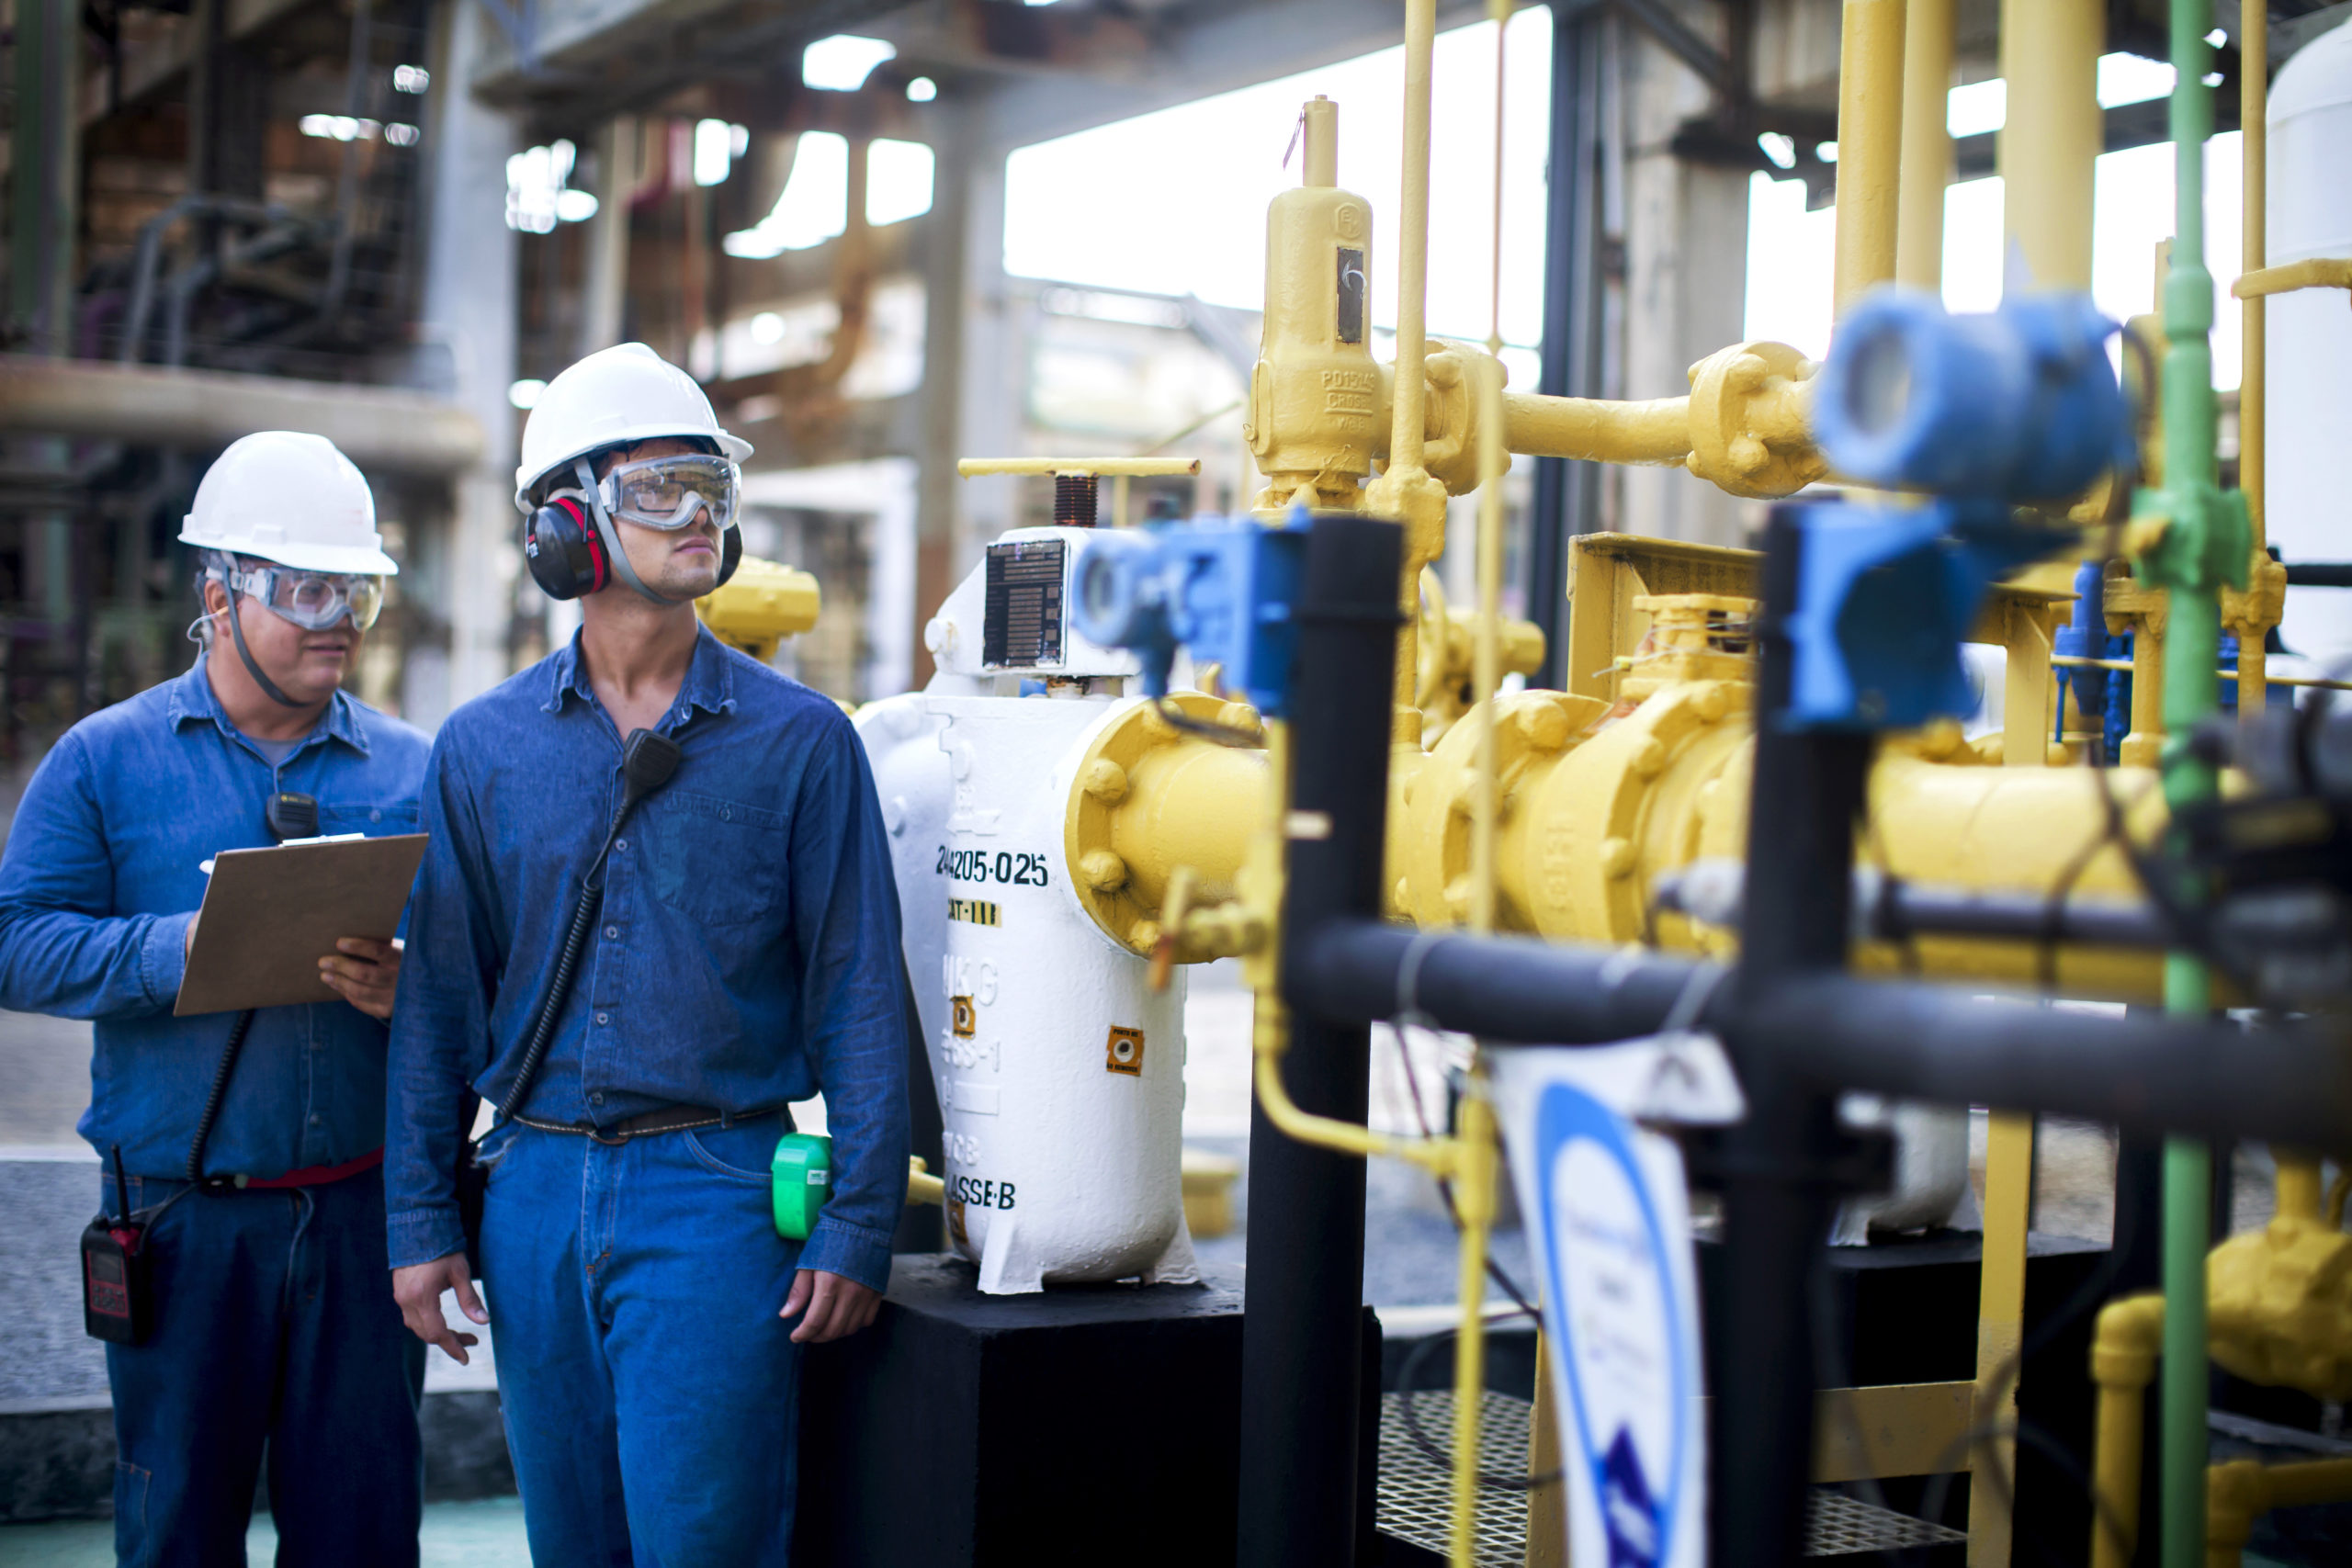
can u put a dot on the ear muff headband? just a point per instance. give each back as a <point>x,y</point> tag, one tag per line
<point>566,555</point>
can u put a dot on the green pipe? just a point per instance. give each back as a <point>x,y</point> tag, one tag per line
<point>2193,556</point>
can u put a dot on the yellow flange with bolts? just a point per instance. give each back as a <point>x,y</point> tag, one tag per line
<point>1150,800</point>
<point>1446,652</point>
<point>761,605</point>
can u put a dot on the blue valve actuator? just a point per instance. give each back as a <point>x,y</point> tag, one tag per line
<point>2019,404</point>
<point>1984,411</point>
<point>1220,588</point>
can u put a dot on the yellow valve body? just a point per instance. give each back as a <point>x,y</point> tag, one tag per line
<point>2280,1305</point>
<point>761,605</point>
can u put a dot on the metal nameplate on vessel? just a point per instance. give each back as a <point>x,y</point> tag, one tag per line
<point>1024,609</point>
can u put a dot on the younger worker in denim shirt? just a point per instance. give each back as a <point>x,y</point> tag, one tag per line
<point>745,955</point>
<point>273,1328</point>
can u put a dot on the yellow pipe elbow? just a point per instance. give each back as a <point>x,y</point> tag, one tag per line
<point>2124,1346</point>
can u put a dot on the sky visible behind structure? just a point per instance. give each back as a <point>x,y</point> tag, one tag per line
<point>1174,201</point>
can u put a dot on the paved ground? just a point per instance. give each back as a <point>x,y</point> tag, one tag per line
<point>487,1534</point>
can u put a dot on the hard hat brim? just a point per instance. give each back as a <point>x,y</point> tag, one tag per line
<point>354,560</point>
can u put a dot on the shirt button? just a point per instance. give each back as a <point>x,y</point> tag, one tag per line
<point>620,843</point>
<point>611,933</point>
<point>595,1100</point>
<point>318,1121</point>
<point>604,1017</point>
<point>726,814</point>
<point>374,817</point>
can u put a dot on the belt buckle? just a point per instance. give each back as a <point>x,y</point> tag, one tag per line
<point>621,1135</point>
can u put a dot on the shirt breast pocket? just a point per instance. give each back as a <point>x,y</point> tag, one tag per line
<point>378,819</point>
<point>719,861</point>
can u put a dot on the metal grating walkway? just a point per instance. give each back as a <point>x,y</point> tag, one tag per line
<point>1416,1498</point>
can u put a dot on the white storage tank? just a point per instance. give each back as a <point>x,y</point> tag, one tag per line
<point>2310,337</point>
<point>1059,1072</point>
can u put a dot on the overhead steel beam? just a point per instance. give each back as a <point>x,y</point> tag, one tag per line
<point>376,427</point>
<point>148,71</point>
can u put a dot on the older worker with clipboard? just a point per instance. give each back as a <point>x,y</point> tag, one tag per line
<point>238,1266</point>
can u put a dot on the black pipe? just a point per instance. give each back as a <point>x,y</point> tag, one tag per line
<point>1807,795</point>
<point>2319,574</point>
<point>1567,494</point>
<point>2146,1073</point>
<point>1302,1380</point>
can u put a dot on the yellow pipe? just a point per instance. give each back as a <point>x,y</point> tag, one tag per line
<point>1654,430</point>
<point>2319,272</point>
<point>921,1186</point>
<point>1406,490</point>
<point>2254,109</point>
<point>1129,467</point>
<point>1927,36</point>
<point>1473,1214</point>
<point>2124,1348</point>
<point>2299,1187</point>
<point>2000,1330</point>
<point>2241,1491</point>
<point>1870,146</point>
<point>2049,148</point>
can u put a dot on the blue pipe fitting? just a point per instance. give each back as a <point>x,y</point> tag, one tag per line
<point>1222,589</point>
<point>2018,405</point>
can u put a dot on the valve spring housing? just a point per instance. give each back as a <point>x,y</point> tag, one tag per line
<point>1074,501</point>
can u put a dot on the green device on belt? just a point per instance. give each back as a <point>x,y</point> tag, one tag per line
<point>803,1174</point>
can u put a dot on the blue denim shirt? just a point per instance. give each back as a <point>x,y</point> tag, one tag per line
<point>99,882</point>
<point>746,955</point>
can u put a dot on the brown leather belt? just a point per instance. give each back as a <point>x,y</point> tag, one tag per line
<point>669,1119</point>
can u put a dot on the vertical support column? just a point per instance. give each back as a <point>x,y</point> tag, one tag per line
<point>44,177</point>
<point>974,368</point>
<point>1928,37</point>
<point>1685,282</point>
<point>1870,146</point>
<point>1568,496</point>
<point>468,323</point>
<point>2008,1153</point>
<point>2049,146</point>
<point>603,293</point>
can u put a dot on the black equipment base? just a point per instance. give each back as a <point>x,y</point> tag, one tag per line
<point>1087,1424</point>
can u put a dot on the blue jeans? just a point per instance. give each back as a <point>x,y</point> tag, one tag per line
<point>276,1335</point>
<point>650,1388</point>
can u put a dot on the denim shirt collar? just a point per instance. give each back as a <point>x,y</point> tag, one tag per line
<point>709,683</point>
<point>192,701</point>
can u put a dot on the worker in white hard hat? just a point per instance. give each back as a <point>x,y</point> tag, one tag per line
<point>656,911</point>
<point>249,1147</point>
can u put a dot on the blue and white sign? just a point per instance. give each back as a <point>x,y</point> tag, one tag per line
<point>1612,1243</point>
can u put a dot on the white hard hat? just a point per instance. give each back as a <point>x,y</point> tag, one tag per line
<point>292,499</point>
<point>614,397</point>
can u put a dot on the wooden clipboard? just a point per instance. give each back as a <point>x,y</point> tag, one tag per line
<point>270,914</point>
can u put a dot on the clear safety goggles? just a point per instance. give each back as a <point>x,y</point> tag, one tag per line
<point>671,493</point>
<point>313,599</point>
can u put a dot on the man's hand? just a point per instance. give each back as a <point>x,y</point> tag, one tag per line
<point>418,1290</point>
<point>835,1308</point>
<point>366,979</point>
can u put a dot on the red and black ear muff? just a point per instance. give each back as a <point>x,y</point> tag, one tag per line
<point>564,551</point>
<point>730,553</point>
